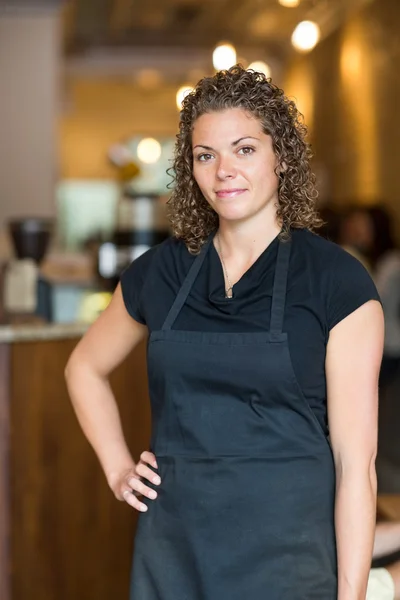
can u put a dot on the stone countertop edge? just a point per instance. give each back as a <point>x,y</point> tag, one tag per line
<point>38,332</point>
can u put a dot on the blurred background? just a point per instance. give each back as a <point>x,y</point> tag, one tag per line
<point>90,96</point>
<point>89,109</point>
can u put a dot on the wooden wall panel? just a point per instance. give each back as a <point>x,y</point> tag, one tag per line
<point>70,537</point>
<point>5,562</point>
<point>348,88</point>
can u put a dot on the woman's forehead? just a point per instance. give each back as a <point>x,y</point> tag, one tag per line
<point>226,114</point>
<point>228,123</point>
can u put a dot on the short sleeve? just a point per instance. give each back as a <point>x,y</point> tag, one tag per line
<point>351,286</point>
<point>132,280</point>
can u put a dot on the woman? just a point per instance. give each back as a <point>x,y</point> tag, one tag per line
<point>251,317</point>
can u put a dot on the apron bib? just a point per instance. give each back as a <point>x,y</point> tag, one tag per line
<point>245,509</point>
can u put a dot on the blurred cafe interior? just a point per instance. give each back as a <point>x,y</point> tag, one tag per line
<point>89,110</point>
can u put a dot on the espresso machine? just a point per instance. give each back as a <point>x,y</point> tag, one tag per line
<point>26,294</point>
<point>141,224</point>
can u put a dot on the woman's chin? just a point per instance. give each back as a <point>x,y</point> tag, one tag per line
<point>234,215</point>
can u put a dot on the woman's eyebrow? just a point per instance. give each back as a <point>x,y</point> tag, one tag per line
<point>203,146</point>
<point>246,137</point>
<point>235,143</point>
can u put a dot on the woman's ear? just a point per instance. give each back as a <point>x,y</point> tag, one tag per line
<point>281,169</point>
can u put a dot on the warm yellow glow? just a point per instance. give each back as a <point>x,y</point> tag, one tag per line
<point>350,59</point>
<point>299,86</point>
<point>149,78</point>
<point>306,36</point>
<point>224,57</point>
<point>289,3</point>
<point>149,150</point>
<point>181,93</point>
<point>261,66</point>
<point>359,124</point>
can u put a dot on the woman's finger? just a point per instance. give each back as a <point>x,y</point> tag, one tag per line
<point>133,501</point>
<point>148,457</point>
<point>139,487</point>
<point>142,470</point>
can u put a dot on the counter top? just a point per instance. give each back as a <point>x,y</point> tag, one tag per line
<point>36,332</point>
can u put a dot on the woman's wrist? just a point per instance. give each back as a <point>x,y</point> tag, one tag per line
<point>114,475</point>
<point>116,460</point>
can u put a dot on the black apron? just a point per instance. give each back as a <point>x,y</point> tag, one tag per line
<point>245,509</point>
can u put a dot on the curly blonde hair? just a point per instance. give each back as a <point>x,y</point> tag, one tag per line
<point>192,218</point>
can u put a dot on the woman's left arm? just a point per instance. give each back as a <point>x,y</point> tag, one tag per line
<point>353,359</point>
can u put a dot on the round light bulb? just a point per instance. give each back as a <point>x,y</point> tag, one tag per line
<point>289,3</point>
<point>260,66</point>
<point>305,36</point>
<point>181,93</point>
<point>224,57</point>
<point>149,150</point>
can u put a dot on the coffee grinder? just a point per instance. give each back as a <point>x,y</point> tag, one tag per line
<point>26,294</point>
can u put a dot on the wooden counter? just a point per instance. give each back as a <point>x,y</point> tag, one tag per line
<point>62,533</point>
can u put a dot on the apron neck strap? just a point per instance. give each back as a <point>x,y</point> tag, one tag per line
<point>278,294</point>
<point>280,285</point>
<point>187,285</point>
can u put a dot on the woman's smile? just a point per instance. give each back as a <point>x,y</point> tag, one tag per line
<point>230,193</point>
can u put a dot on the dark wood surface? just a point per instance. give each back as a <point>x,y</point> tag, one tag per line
<point>70,538</point>
<point>5,557</point>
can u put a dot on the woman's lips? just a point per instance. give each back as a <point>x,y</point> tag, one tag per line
<point>229,193</point>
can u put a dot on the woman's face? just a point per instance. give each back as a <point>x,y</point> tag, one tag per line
<point>234,164</point>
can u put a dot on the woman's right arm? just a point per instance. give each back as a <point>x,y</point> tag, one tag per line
<point>105,345</point>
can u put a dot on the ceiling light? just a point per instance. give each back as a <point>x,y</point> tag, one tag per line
<point>289,3</point>
<point>181,93</point>
<point>260,66</point>
<point>149,150</point>
<point>305,36</point>
<point>224,57</point>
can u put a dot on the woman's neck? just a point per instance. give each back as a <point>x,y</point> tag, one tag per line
<point>244,242</point>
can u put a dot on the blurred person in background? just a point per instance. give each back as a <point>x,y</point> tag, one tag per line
<point>384,257</point>
<point>332,218</point>
<point>356,234</point>
<point>367,233</point>
<point>384,582</point>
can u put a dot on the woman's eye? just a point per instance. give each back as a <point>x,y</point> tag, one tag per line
<point>246,150</point>
<point>204,157</point>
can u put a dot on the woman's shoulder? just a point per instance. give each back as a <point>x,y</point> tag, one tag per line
<point>148,272</point>
<point>172,247</point>
<point>326,254</point>
<point>314,243</point>
<point>167,251</point>
<point>340,278</point>
<point>326,261</point>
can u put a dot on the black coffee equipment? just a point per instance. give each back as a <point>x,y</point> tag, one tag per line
<point>31,237</point>
<point>26,292</point>
<point>141,224</point>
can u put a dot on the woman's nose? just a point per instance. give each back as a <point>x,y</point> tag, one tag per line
<point>226,168</point>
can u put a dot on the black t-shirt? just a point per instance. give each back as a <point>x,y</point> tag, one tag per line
<point>325,284</point>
